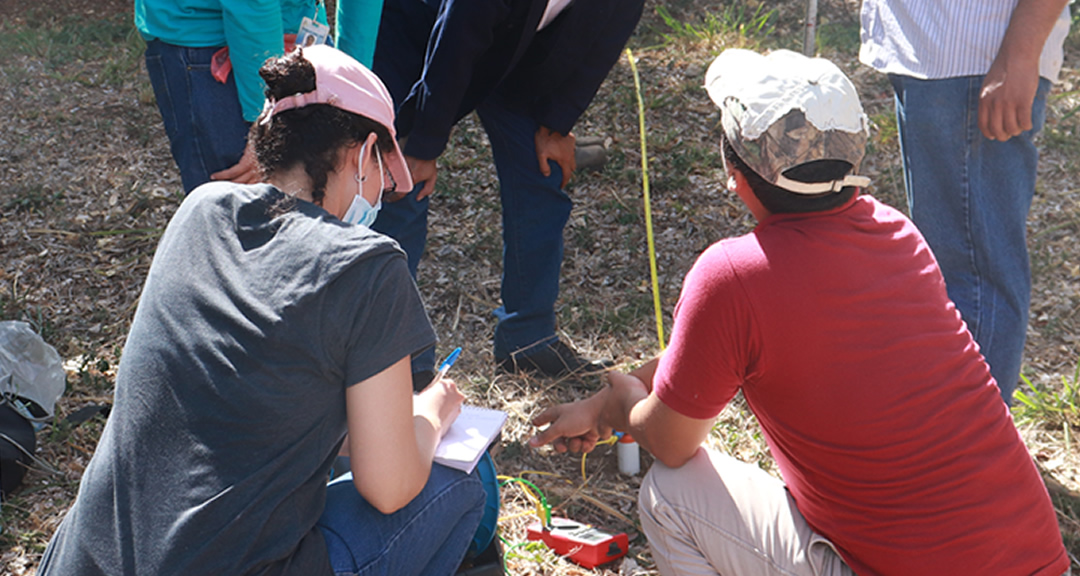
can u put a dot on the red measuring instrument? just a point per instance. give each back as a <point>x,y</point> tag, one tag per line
<point>581,543</point>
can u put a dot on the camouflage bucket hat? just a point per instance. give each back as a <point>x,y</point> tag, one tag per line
<point>783,110</point>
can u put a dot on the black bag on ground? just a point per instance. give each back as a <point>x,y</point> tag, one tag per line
<point>17,443</point>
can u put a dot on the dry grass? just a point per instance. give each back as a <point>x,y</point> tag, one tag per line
<point>88,184</point>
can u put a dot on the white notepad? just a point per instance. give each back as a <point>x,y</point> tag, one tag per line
<point>469,437</point>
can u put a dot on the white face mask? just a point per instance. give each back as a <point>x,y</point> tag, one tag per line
<point>361,212</point>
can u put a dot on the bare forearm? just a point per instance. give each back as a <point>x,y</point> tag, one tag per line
<point>393,433</point>
<point>393,488</point>
<point>427,438</point>
<point>1030,26</point>
<point>389,483</point>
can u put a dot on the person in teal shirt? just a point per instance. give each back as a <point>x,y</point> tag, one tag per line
<point>357,28</point>
<point>208,96</point>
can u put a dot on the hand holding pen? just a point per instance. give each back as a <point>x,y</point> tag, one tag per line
<point>441,399</point>
<point>446,364</point>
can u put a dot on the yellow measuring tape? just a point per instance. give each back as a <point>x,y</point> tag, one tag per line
<point>648,208</point>
<point>543,510</point>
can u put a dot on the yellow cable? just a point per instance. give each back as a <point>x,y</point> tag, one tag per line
<point>648,209</point>
<point>584,479</point>
<point>540,513</point>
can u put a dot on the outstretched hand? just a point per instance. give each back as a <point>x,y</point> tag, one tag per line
<point>551,145</point>
<point>574,426</point>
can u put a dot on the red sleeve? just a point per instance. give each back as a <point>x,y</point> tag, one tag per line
<point>714,340</point>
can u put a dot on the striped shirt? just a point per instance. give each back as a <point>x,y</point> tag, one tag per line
<point>933,39</point>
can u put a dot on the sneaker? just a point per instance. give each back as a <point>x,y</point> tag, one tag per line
<point>554,360</point>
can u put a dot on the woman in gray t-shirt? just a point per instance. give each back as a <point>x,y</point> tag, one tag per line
<point>275,329</point>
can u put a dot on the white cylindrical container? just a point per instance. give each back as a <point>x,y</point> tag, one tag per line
<point>629,455</point>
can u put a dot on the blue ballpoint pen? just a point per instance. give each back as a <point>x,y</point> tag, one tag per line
<point>446,364</point>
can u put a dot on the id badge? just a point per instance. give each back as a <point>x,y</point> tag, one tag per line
<point>311,33</point>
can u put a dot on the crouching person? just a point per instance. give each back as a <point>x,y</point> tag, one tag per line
<point>896,452</point>
<point>273,323</point>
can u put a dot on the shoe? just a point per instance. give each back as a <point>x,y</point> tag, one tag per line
<point>421,379</point>
<point>554,360</point>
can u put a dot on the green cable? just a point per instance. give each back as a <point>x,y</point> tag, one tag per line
<point>510,546</point>
<point>648,210</point>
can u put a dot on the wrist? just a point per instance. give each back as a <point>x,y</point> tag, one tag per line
<point>611,413</point>
<point>617,402</point>
<point>425,408</point>
<point>598,406</point>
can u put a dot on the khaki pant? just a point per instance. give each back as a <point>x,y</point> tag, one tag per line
<point>717,515</point>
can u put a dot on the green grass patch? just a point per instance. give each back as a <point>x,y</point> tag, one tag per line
<point>64,44</point>
<point>1051,407</point>
<point>887,133</point>
<point>839,36</point>
<point>675,159</point>
<point>737,23</point>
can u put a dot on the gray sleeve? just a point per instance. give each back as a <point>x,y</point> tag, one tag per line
<point>384,316</point>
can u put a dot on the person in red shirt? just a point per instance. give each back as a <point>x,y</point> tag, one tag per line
<point>831,317</point>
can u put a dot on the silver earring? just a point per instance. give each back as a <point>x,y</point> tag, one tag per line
<point>359,178</point>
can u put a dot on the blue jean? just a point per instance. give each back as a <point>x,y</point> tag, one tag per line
<point>535,210</point>
<point>203,119</point>
<point>428,537</point>
<point>970,196</point>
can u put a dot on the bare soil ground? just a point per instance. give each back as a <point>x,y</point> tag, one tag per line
<point>87,185</point>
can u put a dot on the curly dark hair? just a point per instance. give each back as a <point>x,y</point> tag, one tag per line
<point>312,136</point>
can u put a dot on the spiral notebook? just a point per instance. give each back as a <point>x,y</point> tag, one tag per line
<point>469,436</point>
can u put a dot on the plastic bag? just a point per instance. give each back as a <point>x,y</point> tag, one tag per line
<point>30,369</point>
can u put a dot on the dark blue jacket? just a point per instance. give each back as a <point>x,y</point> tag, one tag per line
<point>452,54</point>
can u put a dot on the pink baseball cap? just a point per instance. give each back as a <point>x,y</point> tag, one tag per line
<point>344,83</point>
